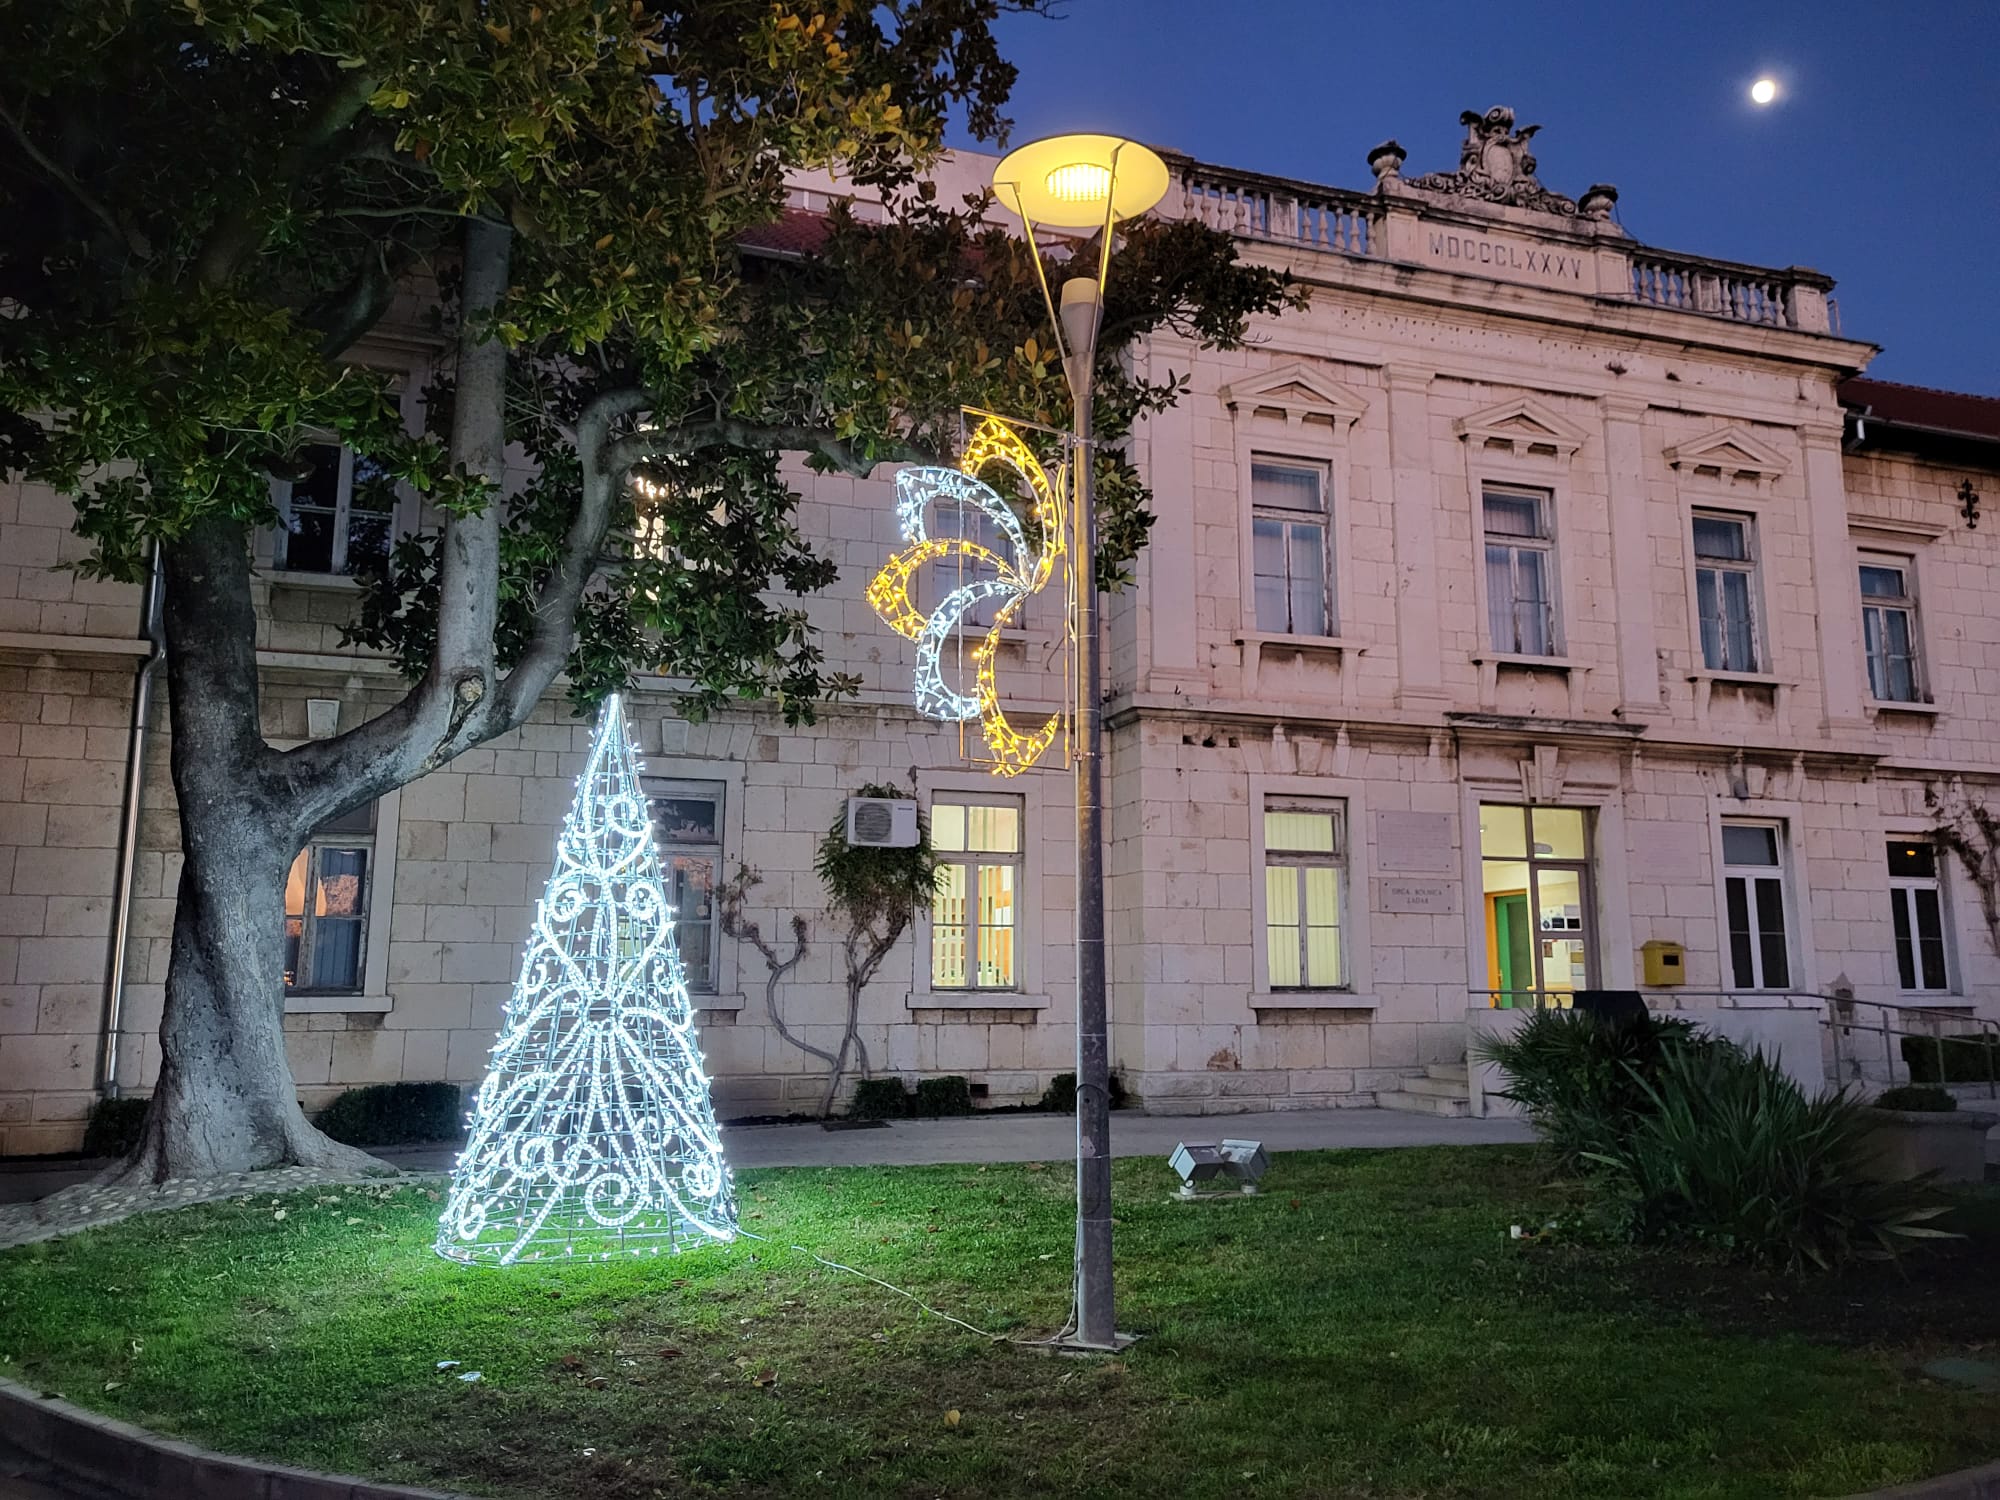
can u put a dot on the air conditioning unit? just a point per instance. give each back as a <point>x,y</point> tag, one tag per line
<point>881,822</point>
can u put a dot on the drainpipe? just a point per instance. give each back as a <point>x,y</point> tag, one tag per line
<point>128,835</point>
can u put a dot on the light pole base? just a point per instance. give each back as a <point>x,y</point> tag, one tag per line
<point>1074,1345</point>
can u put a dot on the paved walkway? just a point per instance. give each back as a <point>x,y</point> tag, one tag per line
<point>987,1138</point>
<point>24,1477</point>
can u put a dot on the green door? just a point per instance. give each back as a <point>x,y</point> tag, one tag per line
<point>1513,935</point>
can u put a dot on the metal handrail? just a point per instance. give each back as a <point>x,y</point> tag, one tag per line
<point>1839,1015</point>
<point>1657,999</point>
<point>1926,1022</point>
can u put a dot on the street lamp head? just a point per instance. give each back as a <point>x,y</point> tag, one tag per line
<point>1072,181</point>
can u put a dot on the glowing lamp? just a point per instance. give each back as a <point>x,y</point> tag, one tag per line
<point>1073,181</point>
<point>1079,182</point>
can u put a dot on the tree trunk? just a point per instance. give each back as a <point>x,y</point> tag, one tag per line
<point>225,1101</point>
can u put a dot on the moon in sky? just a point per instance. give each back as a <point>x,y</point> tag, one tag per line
<point>1763,91</point>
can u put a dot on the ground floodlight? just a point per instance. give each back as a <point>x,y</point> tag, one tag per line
<point>1197,1162</point>
<point>1246,1161</point>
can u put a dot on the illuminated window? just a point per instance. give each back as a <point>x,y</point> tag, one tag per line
<point>687,816</point>
<point>1288,548</point>
<point>1916,909</point>
<point>1725,588</point>
<point>1520,571</point>
<point>1540,903</point>
<point>975,919</point>
<point>1889,630</point>
<point>1753,886</point>
<point>1305,888</point>
<point>337,513</point>
<point>326,906</point>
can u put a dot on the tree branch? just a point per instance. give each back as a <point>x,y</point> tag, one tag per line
<point>728,432</point>
<point>468,570</point>
<point>556,604</point>
<point>729,908</point>
<point>358,307</point>
<point>134,241</point>
<point>454,706</point>
<point>233,235</point>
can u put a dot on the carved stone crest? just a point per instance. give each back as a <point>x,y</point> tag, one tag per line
<point>1496,166</point>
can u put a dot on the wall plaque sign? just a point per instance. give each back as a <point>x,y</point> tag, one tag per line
<point>1670,853</point>
<point>1414,842</point>
<point>1429,897</point>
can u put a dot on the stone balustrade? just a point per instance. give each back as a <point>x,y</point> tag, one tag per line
<point>1274,208</point>
<point>1282,211</point>
<point>1792,298</point>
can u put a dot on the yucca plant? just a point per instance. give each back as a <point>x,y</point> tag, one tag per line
<point>1732,1154</point>
<point>1581,1078</point>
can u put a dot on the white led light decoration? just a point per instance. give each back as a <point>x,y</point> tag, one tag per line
<point>593,1135</point>
<point>1018,570</point>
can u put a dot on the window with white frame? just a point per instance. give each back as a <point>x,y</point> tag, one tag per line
<point>975,917</point>
<point>326,907</point>
<point>687,816</point>
<point>337,513</point>
<point>1305,881</point>
<point>944,574</point>
<point>1288,544</point>
<point>1753,886</point>
<point>1725,588</point>
<point>1916,910</point>
<point>1889,629</point>
<point>1520,570</point>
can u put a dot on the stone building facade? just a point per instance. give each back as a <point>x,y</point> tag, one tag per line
<point>1534,611</point>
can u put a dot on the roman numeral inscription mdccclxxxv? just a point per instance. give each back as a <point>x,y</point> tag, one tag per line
<point>1478,252</point>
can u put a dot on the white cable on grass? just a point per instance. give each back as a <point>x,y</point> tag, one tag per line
<point>997,1338</point>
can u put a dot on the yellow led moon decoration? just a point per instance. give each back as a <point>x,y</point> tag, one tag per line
<point>1017,571</point>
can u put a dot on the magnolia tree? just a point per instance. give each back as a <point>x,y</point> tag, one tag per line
<point>212,203</point>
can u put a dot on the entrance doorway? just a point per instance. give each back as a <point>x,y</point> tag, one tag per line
<point>1541,928</point>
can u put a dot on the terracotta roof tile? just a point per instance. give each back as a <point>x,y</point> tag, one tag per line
<point>1920,406</point>
<point>799,233</point>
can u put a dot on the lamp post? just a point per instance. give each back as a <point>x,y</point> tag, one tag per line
<point>1085,182</point>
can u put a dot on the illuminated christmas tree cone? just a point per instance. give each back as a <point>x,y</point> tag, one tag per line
<point>593,1135</point>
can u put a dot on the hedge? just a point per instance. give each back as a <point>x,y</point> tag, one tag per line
<point>395,1114</point>
<point>1966,1059</point>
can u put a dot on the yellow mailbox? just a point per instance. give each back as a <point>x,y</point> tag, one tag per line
<point>1663,962</point>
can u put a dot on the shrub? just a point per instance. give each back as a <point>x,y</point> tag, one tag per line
<point>951,1095</point>
<point>1583,1080</point>
<point>1731,1154</point>
<point>880,1099</point>
<point>114,1127</point>
<point>1967,1059</point>
<point>394,1114</point>
<point>1917,1097</point>
<point>1060,1095</point>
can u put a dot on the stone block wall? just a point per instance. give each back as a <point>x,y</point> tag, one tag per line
<point>1410,406</point>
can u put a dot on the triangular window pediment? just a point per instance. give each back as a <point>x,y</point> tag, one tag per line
<point>1730,453</point>
<point>1298,395</point>
<point>1523,427</point>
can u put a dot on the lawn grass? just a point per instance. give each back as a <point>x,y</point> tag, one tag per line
<point>1365,1327</point>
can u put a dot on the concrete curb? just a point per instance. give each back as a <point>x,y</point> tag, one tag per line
<point>141,1466</point>
<point>1982,1483</point>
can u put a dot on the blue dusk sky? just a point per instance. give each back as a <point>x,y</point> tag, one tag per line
<point>1878,164</point>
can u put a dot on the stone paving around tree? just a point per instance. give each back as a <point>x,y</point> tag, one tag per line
<point>84,1205</point>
